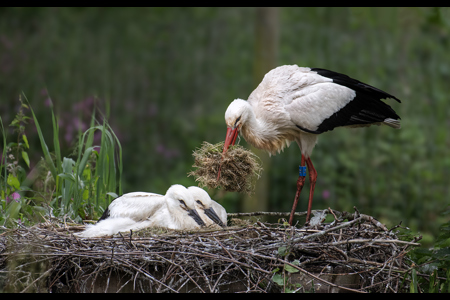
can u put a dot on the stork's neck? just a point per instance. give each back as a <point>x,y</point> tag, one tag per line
<point>262,134</point>
<point>176,215</point>
<point>255,131</point>
<point>178,218</point>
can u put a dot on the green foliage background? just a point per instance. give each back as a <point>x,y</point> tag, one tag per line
<point>165,76</point>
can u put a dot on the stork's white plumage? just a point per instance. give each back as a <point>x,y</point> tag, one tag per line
<point>110,226</point>
<point>209,210</point>
<point>132,211</point>
<point>297,104</point>
<point>139,205</point>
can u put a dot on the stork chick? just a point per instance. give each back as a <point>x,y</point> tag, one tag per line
<point>209,210</point>
<point>137,210</point>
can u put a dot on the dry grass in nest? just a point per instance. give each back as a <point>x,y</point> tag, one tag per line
<point>239,168</point>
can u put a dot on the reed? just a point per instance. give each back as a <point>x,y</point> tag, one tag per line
<point>84,185</point>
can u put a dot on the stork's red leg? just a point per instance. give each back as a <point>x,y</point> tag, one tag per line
<point>300,183</point>
<point>312,180</point>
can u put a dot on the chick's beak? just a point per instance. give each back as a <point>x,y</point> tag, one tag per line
<point>213,216</point>
<point>194,215</point>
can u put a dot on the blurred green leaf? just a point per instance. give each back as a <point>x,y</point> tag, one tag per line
<point>13,208</point>
<point>13,181</point>
<point>282,251</point>
<point>26,158</point>
<point>113,195</point>
<point>85,194</point>
<point>278,279</point>
<point>24,137</point>
<point>291,269</point>
<point>67,176</point>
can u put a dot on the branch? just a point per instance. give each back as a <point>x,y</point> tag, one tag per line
<point>265,213</point>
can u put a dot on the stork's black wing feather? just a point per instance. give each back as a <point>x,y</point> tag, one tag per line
<point>104,215</point>
<point>365,108</point>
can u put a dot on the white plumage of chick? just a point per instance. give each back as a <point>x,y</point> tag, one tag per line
<point>137,210</point>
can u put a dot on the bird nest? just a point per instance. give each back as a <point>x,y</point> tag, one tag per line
<point>249,256</point>
<point>239,168</point>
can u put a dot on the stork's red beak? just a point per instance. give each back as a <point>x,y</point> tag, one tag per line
<point>230,139</point>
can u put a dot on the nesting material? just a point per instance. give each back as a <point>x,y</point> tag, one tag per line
<point>239,168</point>
<point>246,257</point>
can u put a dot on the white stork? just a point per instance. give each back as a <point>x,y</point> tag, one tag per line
<point>209,210</point>
<point>132,211</point>
<point>297,104</point>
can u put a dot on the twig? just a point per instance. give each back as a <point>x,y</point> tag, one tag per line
<point>374,241</point>
<point>37,279</point>
<point>264,213</point>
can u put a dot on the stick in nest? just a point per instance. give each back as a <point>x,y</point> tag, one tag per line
<point>239,168</point>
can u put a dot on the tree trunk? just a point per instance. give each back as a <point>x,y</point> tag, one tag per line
<point>266,54</point>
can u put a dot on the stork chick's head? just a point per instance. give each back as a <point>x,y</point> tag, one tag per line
<point>181,204</point>
<point>203,202</point>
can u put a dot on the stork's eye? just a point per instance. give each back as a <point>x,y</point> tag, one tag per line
<point>237,120</point>
<point>182,202</point>
<point>199,202</point>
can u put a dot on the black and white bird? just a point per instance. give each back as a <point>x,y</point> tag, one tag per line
<point>209,210</point>
<point>137,210</point>
<point>297,104</point>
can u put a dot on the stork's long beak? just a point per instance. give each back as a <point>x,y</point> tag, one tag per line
<point>230,139</point>
<point>194,215</point>
<point>213,216</point>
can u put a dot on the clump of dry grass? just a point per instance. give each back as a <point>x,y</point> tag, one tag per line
<point>239,167</point>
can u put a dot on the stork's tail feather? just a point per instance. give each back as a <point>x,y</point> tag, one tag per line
<point>392,123</point>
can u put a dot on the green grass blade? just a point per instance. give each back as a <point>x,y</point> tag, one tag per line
<point>47,156</point>
<point>67,191</point>
<point>82,163</point>
<point>119,160</point>
<point>413,285</point>
<point>90,139</point>
<point>4,156</point>
<point>56,147</point>
<point>101,168</point>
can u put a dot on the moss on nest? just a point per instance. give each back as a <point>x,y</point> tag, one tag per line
<point>239,168</point>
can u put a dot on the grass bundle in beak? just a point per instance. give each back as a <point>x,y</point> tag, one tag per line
<point>239,168</point>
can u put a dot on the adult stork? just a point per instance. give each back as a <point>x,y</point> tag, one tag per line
<point>297,104</point>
